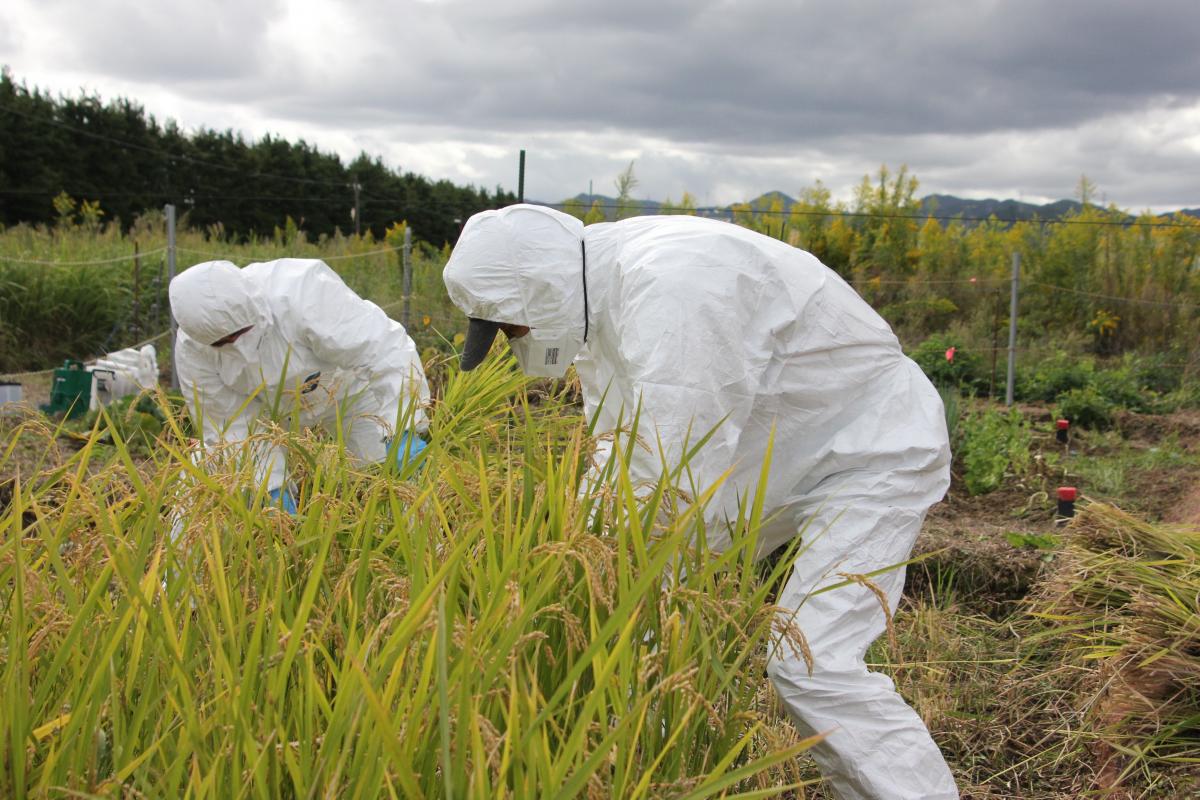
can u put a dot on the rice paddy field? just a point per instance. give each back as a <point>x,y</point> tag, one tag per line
<point>478,628</point>
<point>492,624</point>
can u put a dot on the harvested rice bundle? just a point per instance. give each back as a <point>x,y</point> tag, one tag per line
<point>1126,599</point>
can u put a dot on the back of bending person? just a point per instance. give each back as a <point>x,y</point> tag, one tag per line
<point>704,325</point>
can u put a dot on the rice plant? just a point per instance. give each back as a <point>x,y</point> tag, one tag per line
<point>481,627</point>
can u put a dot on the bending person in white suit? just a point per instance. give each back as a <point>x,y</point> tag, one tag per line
<point>706,325</point>
<point>345,359</point>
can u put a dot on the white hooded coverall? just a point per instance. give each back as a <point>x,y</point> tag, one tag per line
<point>703,321</point>
<point>340,350</point>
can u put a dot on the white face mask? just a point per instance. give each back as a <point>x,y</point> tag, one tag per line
<point>246,345</point>
<point>239,354</point>
<point>545,354</point>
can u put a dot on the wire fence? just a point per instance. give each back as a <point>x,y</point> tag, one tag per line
<point>87,262</point>
<point>427,318</point>
<point>427,315</point>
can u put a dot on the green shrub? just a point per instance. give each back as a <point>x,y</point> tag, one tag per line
<point>1186,396</point>
<point>1054,376</point>
<point>1086,408</point>
<point>993,444</point>
<point>1133,384</point>
<point>1120,388</point>
<point>1156,372</point>
<point>965,370</point>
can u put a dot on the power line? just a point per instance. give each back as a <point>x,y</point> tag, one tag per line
<point>242,256</point>
<point>1114,298</point>
<point>903,282</point>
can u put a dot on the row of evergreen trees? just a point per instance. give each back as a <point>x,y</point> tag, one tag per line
<point>117,154</point>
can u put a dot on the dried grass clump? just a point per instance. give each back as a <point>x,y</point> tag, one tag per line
<point>1124,606</point>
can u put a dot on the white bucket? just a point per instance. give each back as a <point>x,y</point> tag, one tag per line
<point>10,392</point>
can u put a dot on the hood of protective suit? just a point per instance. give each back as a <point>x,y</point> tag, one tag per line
<point>214,299</point>
<point>521,265</point>
<point>323,356</point>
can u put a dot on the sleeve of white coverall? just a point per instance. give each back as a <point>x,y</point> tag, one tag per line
<point>219,412</point>
<point>344,329</point>
<point>693,360</point>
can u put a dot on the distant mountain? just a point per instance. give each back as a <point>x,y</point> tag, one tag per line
<point>946,205</point>
<point>609,204</point>
<point>939,205</point>
<point>767,199</point>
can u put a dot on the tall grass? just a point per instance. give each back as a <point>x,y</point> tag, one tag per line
<point>52,311</point>
<point>481,628</point>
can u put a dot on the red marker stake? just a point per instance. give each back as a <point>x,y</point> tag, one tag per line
<point>1066,501</point>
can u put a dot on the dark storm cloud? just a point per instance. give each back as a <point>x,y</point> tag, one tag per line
<point>215,43</point>
<point>760,72</point>
<point>723,98</point>
<point>767,72</point>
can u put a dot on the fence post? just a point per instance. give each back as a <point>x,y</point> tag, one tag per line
<point>171,276</point>
<point>521,179</point>
<point>156,306</point>
<point>407,263</point>
<point>1012,329</point>
<point>137,292</point>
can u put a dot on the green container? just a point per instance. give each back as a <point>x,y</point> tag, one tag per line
<point>71,392</point>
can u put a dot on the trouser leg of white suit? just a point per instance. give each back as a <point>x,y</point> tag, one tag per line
<point>877,746</point>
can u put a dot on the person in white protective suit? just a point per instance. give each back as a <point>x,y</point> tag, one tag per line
<point>345,359</point>
<point>709,325</point>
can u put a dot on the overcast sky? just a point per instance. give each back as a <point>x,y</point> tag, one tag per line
<point>725,100</point>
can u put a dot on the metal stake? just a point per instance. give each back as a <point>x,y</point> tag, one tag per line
<point>171,277</point>
<point>407,262</point>
<point>1012,329</point>
<point>521,179</point>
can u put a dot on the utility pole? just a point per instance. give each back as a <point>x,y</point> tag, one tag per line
<point>521,179</point>
<point>171,277</point>
<point>1012,329</point>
